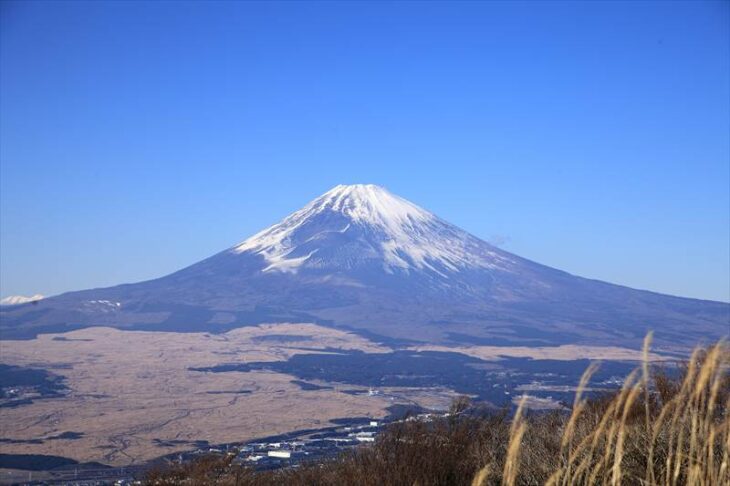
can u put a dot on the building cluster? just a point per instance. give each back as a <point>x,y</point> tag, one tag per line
<point>269,455</point>
<point>312,446</point>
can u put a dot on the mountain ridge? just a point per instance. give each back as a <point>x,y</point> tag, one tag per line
<point>360,257</point>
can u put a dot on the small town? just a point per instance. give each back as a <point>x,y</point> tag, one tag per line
<point>291,449</point>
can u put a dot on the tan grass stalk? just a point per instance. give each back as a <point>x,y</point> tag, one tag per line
<point>480,479</point>
<point>613,432</point>
<point>674,458</point>
<point>724,470</point>
<point>578,405</point>
<point>517,430</point>
<point>621,434</point>
<point>649,475</point>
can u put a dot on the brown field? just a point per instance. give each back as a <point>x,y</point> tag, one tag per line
<point>131,389</point>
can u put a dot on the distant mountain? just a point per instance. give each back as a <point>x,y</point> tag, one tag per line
<point>361,258</point>
<point>19,299</point>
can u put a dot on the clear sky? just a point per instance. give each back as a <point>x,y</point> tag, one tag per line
<point>137,138</point>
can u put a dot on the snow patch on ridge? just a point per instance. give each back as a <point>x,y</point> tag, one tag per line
<point>20,299</point>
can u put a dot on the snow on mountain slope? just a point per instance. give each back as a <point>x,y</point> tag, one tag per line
<point>369,225</point>
<point>20,299</point>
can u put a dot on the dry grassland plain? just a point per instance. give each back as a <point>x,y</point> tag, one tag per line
<point>133,397</point>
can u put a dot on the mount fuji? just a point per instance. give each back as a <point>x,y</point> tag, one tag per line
<point>363,259</point>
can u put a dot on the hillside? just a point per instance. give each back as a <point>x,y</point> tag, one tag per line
<point>361,258</point>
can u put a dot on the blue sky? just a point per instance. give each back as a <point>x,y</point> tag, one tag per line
<point>137,138</point>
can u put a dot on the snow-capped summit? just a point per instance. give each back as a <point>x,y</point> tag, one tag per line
<point>370,204</point>
<point>364,225</point>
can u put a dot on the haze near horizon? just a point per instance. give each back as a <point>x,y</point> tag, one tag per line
<point>140,138</point>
